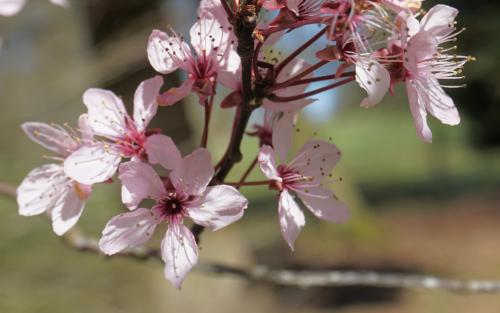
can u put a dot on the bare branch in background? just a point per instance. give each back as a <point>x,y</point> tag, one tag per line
<point>303,279</point>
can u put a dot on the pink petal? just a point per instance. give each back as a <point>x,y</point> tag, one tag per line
<point>139,181</point>
<point>323,203</point>
<point>439,104</point>
<point>208,36</point>
<point>231,80</point>
<point>215,8</point>
<point>179,252</point>
<point>92,164</point>
<point>218,207</point>
<point>267,163</point>
<point>145,101</point>
<point>193,173</point>
<point>106,113</point>
<point>316,159</point>
<point>128,230</point>
<point>162,150</point>
<point>11,7</point>
<point>166,53</point>
<point>86,132</point>
<point>421,47</point>
<point>409,25</point>
<point>41,189</point>
<point>56,139</point>
<point>67,212</point>
<point>291,218</point>
<point>174,95</point>
<point>419,113</point>
<point>374,78</point>
<point>227,58</point>
<point>439,20</point>
<point>283,135</point>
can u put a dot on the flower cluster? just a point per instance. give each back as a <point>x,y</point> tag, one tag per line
<point>374,43</point>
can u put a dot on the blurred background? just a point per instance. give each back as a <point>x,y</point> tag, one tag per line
<point>416,208</point>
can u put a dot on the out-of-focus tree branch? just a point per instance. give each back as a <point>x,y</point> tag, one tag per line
<point>304,279</point>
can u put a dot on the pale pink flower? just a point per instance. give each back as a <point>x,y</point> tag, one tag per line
<point>184,194</point>
<point>425,63</point>
<point>302,176</point>
<point>12,7</point>
<point>360,29</point>
<point>47,188</point>
<point>213,58</point>
<point>127,137</point>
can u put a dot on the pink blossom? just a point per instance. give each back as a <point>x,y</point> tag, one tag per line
<point>185,193</point>
<point>213,58</point>
<point>127,137</point>
<point>47,188</point>
<point>425,63</point>
<point>303,176</point>
<point>359,31</point>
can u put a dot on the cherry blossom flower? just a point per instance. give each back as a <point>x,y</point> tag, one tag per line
<point>303,176</point>
<point>47,188</point>
<point>184,194</point>
<point>213,59</point>
<point>12,7</point>
<point>425,63</point>
<point>127,137</point>
<point>359,29</point>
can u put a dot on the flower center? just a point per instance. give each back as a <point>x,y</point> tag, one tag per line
<point>132,144</point>
<point>171,207</point>
<point>292,177</point>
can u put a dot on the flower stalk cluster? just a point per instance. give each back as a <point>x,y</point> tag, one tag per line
<point>376,44</point>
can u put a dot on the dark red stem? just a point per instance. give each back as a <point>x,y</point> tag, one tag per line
<point>299,50</point>
<point>208,112</point>
<point>295,78</point>
<point>252,183</point>
<point>319,79</point>
<point>249,170</point>
<point>276,98</point>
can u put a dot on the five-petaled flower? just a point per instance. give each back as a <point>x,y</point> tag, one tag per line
<point>213,60</point>
<point>47,188</point>
<point>304,176</point>
<point>426,62</point>
<point>185,193</point>
<point>126,137</point>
